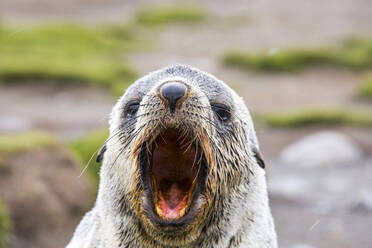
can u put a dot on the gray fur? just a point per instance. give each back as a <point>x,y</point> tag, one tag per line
<point>237,213</point>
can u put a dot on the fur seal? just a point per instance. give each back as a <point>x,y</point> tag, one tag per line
<point>181,168</point>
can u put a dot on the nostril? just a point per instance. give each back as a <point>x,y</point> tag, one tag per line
<point>172,92</point>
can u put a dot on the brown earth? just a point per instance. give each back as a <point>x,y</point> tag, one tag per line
<point>44,196</point>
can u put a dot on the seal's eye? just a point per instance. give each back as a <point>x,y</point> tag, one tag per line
<point>222,112</point>
<point>131,109</point>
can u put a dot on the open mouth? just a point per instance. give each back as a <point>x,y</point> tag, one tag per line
<point>174,177</point>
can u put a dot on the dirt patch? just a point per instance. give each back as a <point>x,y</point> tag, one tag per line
<point>44,196</point>
<point>65,110</point>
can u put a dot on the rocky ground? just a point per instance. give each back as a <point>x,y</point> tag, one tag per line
<point>44,195</point>
<point>316,206</point>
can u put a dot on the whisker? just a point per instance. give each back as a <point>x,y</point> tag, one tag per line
<point>91,157</point>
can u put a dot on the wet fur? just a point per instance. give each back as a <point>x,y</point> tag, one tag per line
<point>235,211</point>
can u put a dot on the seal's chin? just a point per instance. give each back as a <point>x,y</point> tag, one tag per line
<point>174,177</point>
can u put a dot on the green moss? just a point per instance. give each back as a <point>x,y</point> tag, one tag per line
<point>66,53</point>
<point>85,147</point>
<point>366,88</point>
<point>287,60</point>
<point>318,117</point>
<point>159,15</point>
<point>4,226</point>
<point>26,141</point>
<point>353,54</point>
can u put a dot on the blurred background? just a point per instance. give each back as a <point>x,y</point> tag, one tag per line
<point>304,69</point>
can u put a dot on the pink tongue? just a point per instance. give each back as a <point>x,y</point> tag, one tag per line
<point>172,203</point>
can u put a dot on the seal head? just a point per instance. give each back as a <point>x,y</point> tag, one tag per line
<point>182,167</point>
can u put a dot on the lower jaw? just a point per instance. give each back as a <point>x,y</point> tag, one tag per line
<point>184,217</point>
<point>167,213</point>
<point>176,211</point>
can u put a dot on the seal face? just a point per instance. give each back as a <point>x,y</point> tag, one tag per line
<point>181,168</point>
<point>173,153</point>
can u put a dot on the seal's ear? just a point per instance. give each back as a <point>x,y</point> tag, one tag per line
<point>100,153</point>
<point>259,158</point>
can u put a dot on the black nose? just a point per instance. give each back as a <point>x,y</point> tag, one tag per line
<point>173,91</point>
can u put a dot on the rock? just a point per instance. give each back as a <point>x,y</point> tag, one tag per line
<point>326,148</point>
<point>302,246</point>
<point>289,186</point>
<point>363,205</point>
<point>44,195</point>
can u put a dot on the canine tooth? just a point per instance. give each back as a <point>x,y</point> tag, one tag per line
<point>159,211</point>
<point>182,212</point>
